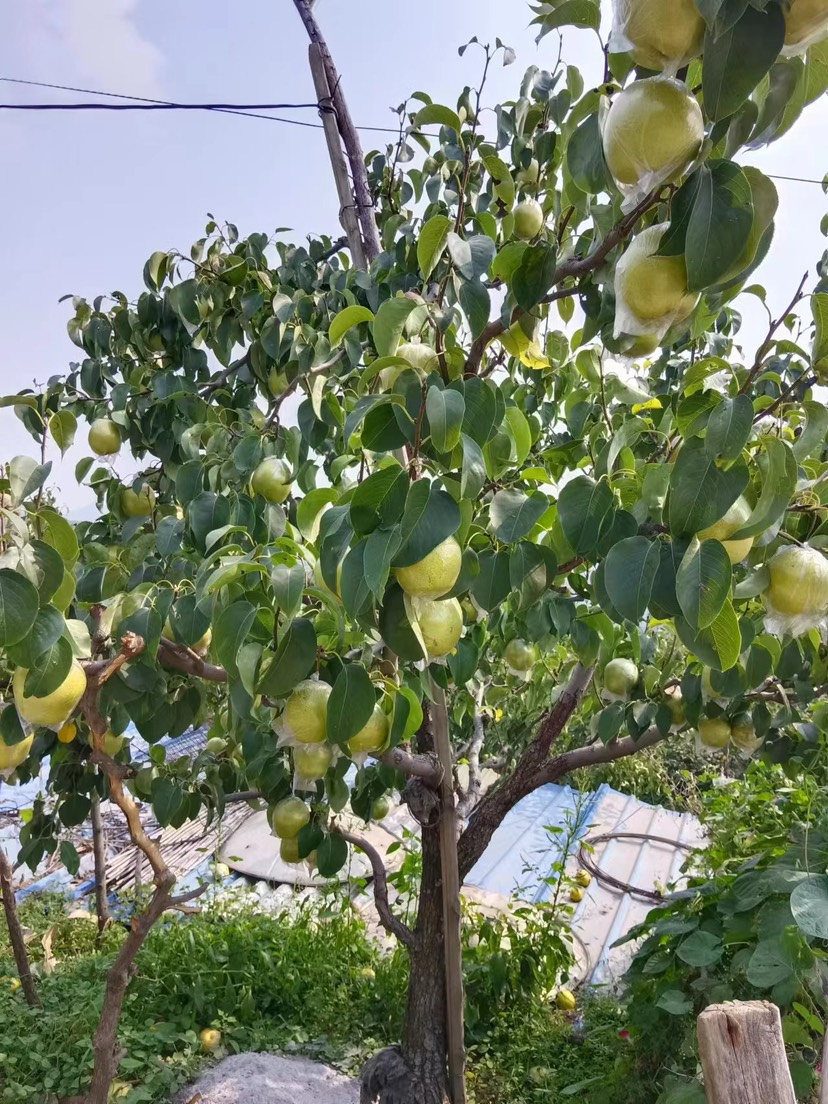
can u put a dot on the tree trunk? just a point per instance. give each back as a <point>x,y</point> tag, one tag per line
<point>21,954</point>
<point>424,1037</point>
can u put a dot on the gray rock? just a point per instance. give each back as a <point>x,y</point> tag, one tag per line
<point>269,1079</point>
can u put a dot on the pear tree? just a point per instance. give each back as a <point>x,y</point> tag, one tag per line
<point>497,470</point>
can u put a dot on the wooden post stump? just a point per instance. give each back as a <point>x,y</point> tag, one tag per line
<point>743,1055</point>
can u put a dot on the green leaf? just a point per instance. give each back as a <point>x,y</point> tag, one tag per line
<point>432,243</point>
<point>406,718</point>
<point>521,434</point>
<point>727,637</point>
<point>504,185</point>
<point>471,256</point>
<point>809,905</point>
<point>494,581</point>
<point>770,963</point>
<point>167,798</point>
<point>380,549</point>
<point>62,427</point>
<point>473,471</point>
<point>354,588</point>
<point>700,949</point>
<point>675,1003</point>
<point>569,13</point>
<point>700,491</point>
<point>477,305</point>
<point>206,513</point>
<point>26,477</point>
<point>812,437</point>
<point>445,410</point>
<point>703,582</point>
<point>583,511</point>
<point>610,721</point>
<point>720,223</point>
<point>431,515</point>
<point>629,573</point>
<point>288,583</point>
<point>729,428</point>
<point>331,856</point>
<point>69,857</point>
<point>482,416</point>
<point>44,566</point>
<point>535,275</point>
<point>585,157</point>
<point>52,668</point>
<point>395,627</point>
<point>351,703</point>
<point>293,661</point>
<point>819,350</point>
<point>508,261</point>
<point>779,475</point>
<point>513,514</point>
<point>464,661</point>
<point>169,535</point>
<point>49,625</point>
<point>60,534</point>
<point>389,324</point>
<point>346,320</point>
<point>736,61</point>
<point>437,113</point>
<point>11,731</point>
<point>18,606</point>
<point>311,508</point>
<point>230,632</point>
<point>379,501</point>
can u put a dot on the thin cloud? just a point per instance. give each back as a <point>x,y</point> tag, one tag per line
<point>74,41</point>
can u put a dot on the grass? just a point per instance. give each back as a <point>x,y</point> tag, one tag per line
<point>306,982</point>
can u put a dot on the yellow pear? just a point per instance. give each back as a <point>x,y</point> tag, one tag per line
<point>652,288</point>
<point>659,34</point>
<point>652,131</point>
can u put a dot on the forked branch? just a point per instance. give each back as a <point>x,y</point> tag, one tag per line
<point>380,885</point>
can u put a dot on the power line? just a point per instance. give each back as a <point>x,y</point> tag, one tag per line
<point>241,108</point>
<point>247,110</point>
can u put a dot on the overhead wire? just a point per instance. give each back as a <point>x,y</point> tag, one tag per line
<point>250,111</point>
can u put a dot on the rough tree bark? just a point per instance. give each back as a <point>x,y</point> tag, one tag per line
<point>21,954</point>
<point>99,849</point>
<point>416,1072</point>
<point>106,1050</point>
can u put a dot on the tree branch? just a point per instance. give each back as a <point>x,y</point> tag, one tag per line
<point>223,377</point>
<point>389,921</point>
<point>766,344</point>
<point>18,943</point>
<point>182,658</point>
<point>472,795</point>
<point>423,767</point>
<point>594,754</point>
<point>107,1052</point>
<point>575,267</point>
<point>291,387</point>
<point>525,778</point>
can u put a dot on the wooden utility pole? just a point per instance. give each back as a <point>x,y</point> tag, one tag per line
<point>347,207</point>
<point>452,908</point>
<point>361,196</point>
<point>743,1055</point>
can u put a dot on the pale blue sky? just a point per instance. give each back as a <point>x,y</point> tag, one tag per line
<point>88,196</point>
